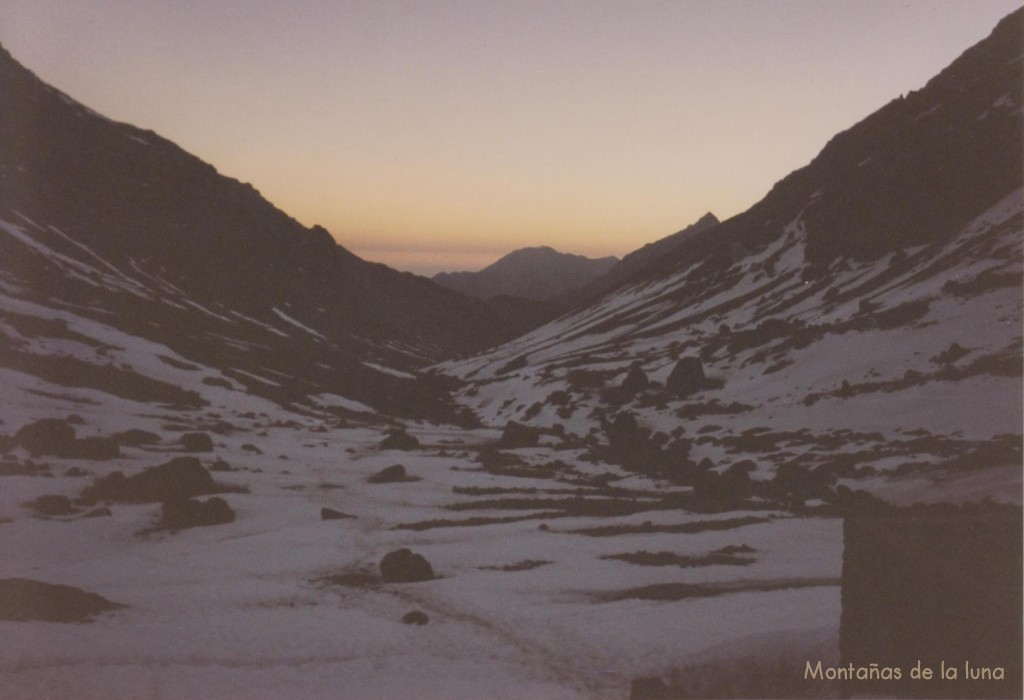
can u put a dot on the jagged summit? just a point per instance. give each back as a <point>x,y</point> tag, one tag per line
<point>635,264</point>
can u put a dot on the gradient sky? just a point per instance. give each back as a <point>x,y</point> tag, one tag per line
<point>442,135</point>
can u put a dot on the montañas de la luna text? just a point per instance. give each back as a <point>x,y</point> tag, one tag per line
<point>876,672</point>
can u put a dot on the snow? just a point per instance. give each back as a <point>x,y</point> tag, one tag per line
<point>262,380</point>
<point>245,609</point>
<point>297,324</point>
<point>328,399</point>
<point>261,324</point>
<point>389,370</point>
<point>237,610</point>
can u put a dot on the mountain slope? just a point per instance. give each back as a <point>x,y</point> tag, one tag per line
<point>865,313</point>
<point>118,225</point>
<point>634,264</point>
<point>540,273</point>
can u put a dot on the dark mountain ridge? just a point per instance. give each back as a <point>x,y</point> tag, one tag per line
<point>909,220</point>
<point>135,198</point>
<point>116,224</point>
<point>912,173</point>
<point>540,273</point>
<point>634,264</point>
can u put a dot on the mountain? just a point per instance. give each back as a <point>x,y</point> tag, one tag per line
<point>862,322</point>
<point>636,262</point>
<point>539,273</point>
<point>116,225</point>
<point>794,436</point>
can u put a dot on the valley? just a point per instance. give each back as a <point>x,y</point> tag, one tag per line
<point>227,428</point>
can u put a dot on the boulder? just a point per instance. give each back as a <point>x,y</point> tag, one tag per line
<point>182,513</point>
<point>405,566</point>
<point>24,599</point>
<point>49,436</point>
<point>390,475</point>
<point>686,377</point>
<point>196,442</point>
<point>415,617</point>
<point>635,382</point>
<point>399,440</point>
<point>182,477</point>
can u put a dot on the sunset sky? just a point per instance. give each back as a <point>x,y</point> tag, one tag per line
<point>442,135</point>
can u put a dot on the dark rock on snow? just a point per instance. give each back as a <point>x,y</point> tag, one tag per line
<point>415,617</point>
<point>331,514</point>
<point>686,377</point>
<point>52,505</point>
<point>197,442</point>
<point>399,440</point>
<point>182,513</point>
<point>391,475</point>
<point>182,477</point>
<point>24,599</point>
<point>635,382</point>
<point>405,566</point>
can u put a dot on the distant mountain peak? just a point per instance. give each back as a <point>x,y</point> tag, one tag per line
<point>536,272</point>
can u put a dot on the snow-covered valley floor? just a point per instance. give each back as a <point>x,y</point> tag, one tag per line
<point>520,609</point>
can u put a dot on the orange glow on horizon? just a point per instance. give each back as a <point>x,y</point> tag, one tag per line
<point>438,136</point>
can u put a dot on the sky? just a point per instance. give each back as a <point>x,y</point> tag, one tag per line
<point>441,135</point>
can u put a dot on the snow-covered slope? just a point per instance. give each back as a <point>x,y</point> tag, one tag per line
<point>119,227</point>
<point>657,496</point>
<point>879,345</point>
